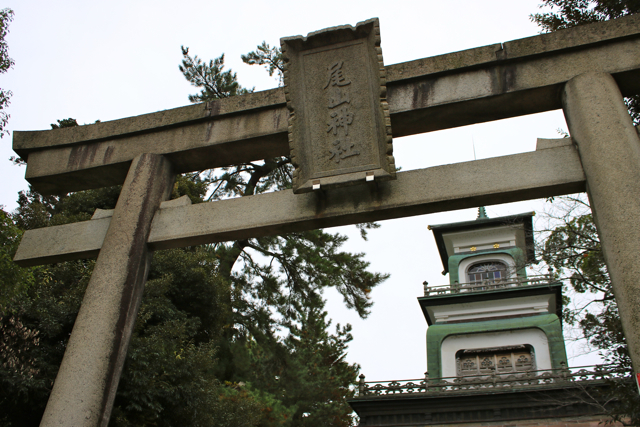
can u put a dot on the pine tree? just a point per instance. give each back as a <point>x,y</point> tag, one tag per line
<point>6,63</point>
<point>282,275</point>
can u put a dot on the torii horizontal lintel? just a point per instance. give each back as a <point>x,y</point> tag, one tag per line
<point>473,86</point>
<point>543,173</point>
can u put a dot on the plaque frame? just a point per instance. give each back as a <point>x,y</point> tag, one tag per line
<point>323,152</point>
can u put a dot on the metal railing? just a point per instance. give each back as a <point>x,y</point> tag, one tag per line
<point>528,379</point>
<point>487,285</point>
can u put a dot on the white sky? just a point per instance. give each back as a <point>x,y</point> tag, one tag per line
<point>109,60</point>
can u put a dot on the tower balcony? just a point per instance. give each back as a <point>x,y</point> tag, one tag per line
<point>491,285</point>
<point>556,394</point>
<point>505,298</point>
<point>499,381</point>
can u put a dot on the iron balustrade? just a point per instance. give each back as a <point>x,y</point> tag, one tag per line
<point>528,379</point>
<point>488,285</point>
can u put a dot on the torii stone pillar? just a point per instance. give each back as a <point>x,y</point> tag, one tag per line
<point>86,384</point>
<point>609,148</point>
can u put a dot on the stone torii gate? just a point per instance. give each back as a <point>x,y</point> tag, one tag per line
<point>585,71</point>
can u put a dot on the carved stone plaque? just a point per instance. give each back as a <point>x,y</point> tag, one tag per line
<point>339,126</point>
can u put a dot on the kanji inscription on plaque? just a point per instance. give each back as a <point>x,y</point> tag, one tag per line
<point>339,126</point>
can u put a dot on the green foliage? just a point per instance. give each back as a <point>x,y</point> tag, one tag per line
<point>40,315</point>
<point>39,320</point>
<point>626,408</point>
<point>6,16</point>
<point>35,210</point>
<point>306,372</point>
<point>64,123</point>
<point>270,57</point>
<point>319,376</point>
<point>572,249</point>
<point>250,178</point>
<point>299,265</point>
<point>13,279</point>
<point>18,367</point>
<point>191,185</point>
<point>571,13</point>
<point>574,246</point>
<point>214,82</point>
<point>169,376</point>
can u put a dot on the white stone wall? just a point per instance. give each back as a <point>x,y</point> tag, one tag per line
<point>491,309</point>
<point>533,336</point>
<point>505,236</point>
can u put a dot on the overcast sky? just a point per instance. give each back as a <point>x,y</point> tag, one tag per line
<point>108,60</point>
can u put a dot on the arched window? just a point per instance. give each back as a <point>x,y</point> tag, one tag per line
<point>487,272</point>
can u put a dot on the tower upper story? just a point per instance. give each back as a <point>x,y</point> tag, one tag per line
<point>487,249</point>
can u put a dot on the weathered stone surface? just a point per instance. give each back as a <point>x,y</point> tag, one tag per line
<point>27,141</point>
<point>181,201</point>
<point>339,126</point>
<point>258,134</point>
<point>53,244</point>
<point>102,213</point>
<point>543,143</point>
<point>473,86</point>
<point>78,240</point>
<point>442,188</point>
<point>86,384</point>
<point>506,87</point>
<point>609,149</point>
<point>544,173</point>
<point>543,44</point>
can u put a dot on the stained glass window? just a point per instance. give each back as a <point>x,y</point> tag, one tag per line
<point>487,273</point>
